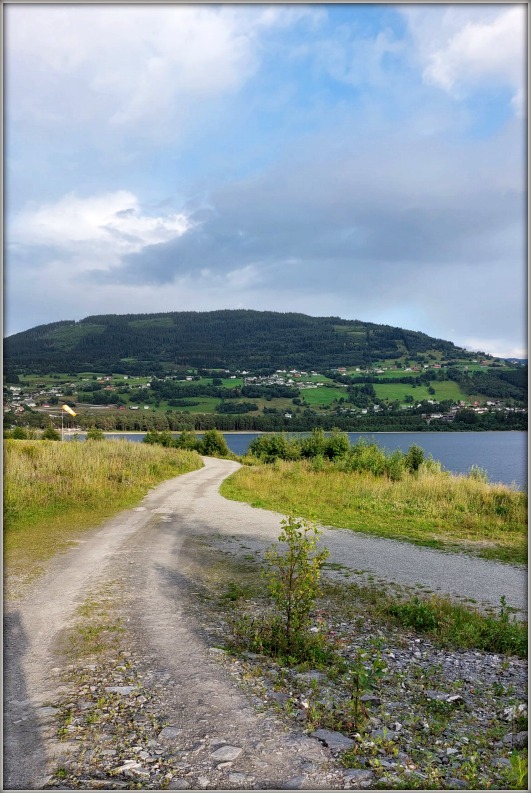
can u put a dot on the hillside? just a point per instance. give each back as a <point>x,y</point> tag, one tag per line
<point>231,339</point>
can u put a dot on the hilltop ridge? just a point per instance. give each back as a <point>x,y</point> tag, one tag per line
<point>230,339</point>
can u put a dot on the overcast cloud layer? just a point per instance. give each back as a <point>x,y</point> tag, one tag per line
<point>366,162</point>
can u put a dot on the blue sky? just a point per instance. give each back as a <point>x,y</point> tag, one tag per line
<point>361,161</point>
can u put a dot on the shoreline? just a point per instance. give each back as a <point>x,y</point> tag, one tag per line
<point>277,432</point>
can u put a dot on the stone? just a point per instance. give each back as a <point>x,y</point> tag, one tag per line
<point>226,753</point>
<point>203,782</point>
<point>168,734</point>
<point>358,775</point>
<point>294,784</point>
<point>335,741</point>
<point>312,674</point>
<point>47,713</point>
<point>371,698</point>
<point>238,779</point>
<point>120,689</point>
<point>278,696</point>
<point>178,784</point>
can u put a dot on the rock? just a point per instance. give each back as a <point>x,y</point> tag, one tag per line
<point>47,713</point>
<point>335,741</point>
<point>518,739</point>
<point>168,734</point>
<point>278,696</point>
<point>226,753</point>
<point>238,779</point>
<point>358,775</point>
<point>203,782</point>
<point>456,783</point>
<point>120,689</point>
<point>294,784</point>
<point>312,674</point>
<point>371,698</point>
<point>178,784</point>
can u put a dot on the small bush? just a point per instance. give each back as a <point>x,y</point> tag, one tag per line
<point>19,434</point>
<point>414,458</point>
<point>95,434</point>
<point>214,444</point>
<point>293,573</point>
<point>50,434</point>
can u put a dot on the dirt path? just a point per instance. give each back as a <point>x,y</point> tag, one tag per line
<point>142,551</point>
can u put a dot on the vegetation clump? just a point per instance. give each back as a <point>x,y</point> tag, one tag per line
<point>292,571</point>
<point>212,444</point>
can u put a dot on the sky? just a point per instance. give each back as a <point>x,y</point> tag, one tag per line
<point>360,161</point>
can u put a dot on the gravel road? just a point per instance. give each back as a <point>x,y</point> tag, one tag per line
<point>141,549</point>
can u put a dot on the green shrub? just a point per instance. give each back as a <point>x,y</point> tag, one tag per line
<point>187,440</point>
<point>18,434</point>
<point>337,445</point>
<point>95,434</point>
<point>293,574</point>
<point>50,434</point>
<point>213,444</point>
<point>414,458</point>
<point>274,447</point>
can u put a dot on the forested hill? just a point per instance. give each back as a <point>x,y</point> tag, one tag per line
<point>231,339</point>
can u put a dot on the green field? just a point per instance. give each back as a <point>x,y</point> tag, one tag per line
<point>322,395</point>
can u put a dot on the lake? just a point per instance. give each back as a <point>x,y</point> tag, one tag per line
<point>502,454</point>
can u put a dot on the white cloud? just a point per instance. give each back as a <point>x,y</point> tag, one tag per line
<point>461,48</point>
<point>123,64</point>
<point>500,348</point>
<point>94,231</point>
<point>143,69</point>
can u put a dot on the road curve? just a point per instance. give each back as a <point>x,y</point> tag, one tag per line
<point>146,543</point>
<point>453,574</point>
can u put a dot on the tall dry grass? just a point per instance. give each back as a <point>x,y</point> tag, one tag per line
<point>432,507</point>
<point>54,490</point>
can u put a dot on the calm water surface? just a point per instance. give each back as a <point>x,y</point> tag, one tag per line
<point>502,454</point>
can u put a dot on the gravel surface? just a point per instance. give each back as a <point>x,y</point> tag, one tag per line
<point>142,555</point>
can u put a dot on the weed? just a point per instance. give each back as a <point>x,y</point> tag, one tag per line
<point>517,772</point>
<point>362,678</point>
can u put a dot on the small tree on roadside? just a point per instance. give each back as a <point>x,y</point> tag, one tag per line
<point>293,575</point>
<point>19,434</point>
<point>414,458</point>
<point>50,434</point>
<point>214,444</point>
<point>95,434</point>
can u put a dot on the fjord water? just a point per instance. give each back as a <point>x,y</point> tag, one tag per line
<point>502,454</point>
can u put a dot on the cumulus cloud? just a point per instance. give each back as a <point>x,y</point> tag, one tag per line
<point>94,231</point>
<point>461,48</point>
<point>143,69</point>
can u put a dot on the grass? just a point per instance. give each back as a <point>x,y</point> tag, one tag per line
<point>53,491</point>
<point>322,395</point>
<point>435,509</point>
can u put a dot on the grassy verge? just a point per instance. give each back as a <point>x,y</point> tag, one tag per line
<point>439,510</point>
<point>53,491</point>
